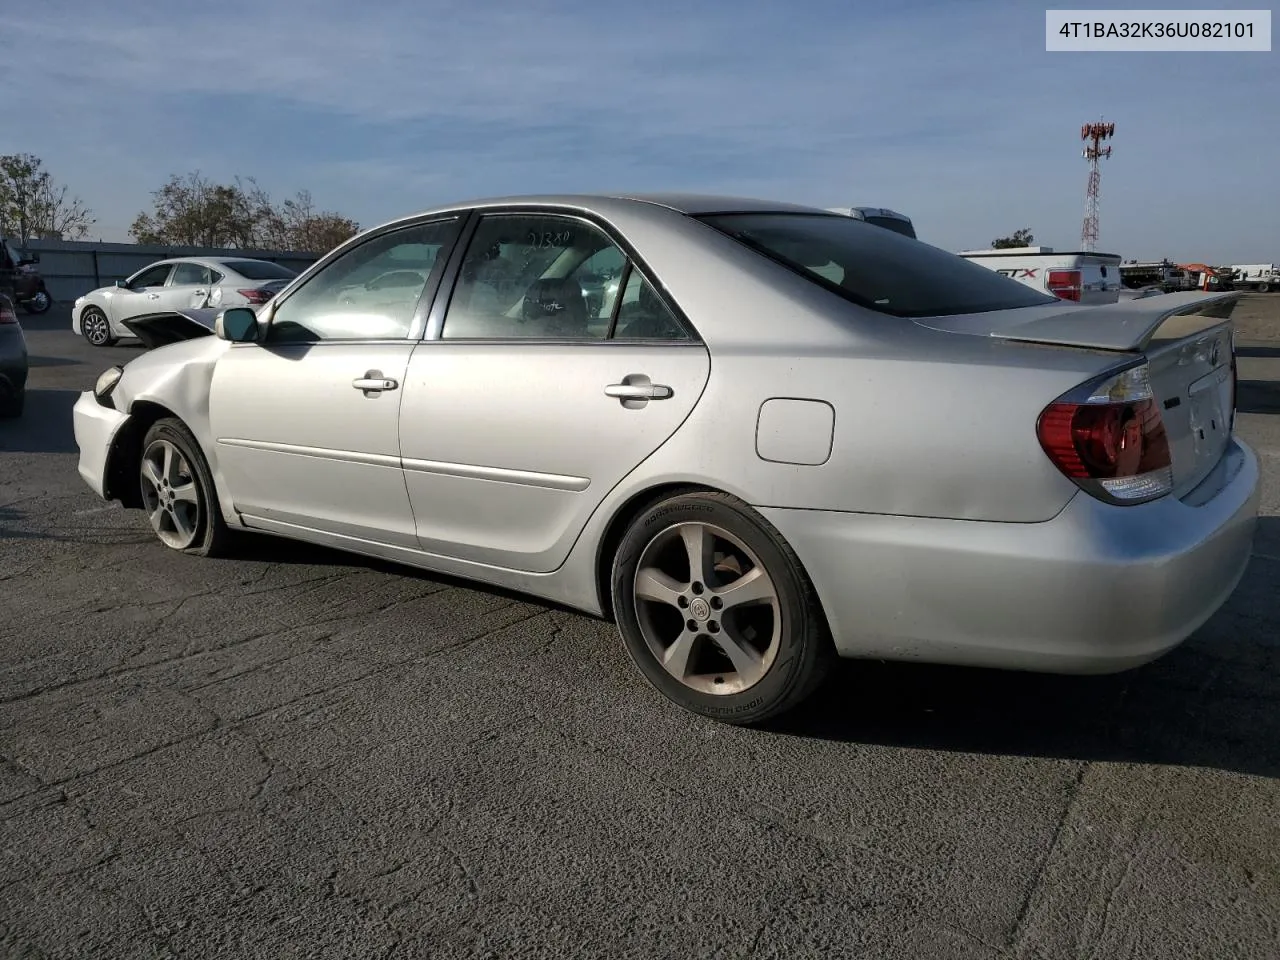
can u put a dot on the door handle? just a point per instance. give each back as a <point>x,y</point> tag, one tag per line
<point>153,296</point>
<point>638,391</point>
<point>373,384</point>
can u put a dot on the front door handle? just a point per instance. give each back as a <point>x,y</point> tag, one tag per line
<point>153,296</point>
<point>642,390</point>
<point>373,383</point>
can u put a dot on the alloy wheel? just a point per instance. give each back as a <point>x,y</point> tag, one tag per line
<point>170,495</point>
<point>96,328</point>
<point>707,608</point>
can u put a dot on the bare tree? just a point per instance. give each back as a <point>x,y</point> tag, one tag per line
<point>297,225</point>
<point>32,204</point>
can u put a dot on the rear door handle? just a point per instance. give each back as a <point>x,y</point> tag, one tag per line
<point>153,296</point>
<point>373,384</point>
<point>638,391</point>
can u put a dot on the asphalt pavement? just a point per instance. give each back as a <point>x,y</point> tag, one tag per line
<point>305,754</point>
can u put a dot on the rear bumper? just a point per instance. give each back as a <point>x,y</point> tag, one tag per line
<point>96,428</point>
<point>1097,589</point>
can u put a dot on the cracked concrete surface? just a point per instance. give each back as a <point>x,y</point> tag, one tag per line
<point>299,753</point>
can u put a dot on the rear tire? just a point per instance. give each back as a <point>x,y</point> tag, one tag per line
<point>96,328</point>
<point>178,494</point>
<point>717,611</point>
<point>39,304</point>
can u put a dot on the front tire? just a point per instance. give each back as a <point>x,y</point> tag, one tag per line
<point>178,494</point>
<point>96,328</point>
<point>717,611</point>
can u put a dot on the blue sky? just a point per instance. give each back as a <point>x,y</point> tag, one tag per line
<point>951,112</point>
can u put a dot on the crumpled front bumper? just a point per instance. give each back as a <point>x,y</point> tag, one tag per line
<point>96,428</point>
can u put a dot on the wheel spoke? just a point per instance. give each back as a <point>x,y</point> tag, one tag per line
<point>156,516</point>
<point>169,458</point>
<point>699,543</point>
<point>752,587</point>
<point>744,657</point>
<point>183,522</point>
<point>151,472</point>
<point>676,657</point>
<point>652,584</point>
<point>186,493</point>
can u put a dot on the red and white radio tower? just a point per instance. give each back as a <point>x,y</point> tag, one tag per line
<point>1093,134</point>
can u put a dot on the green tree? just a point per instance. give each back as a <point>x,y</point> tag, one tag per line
<point>193,210</point>
<point>1020,238</point>
<point>32,204</point>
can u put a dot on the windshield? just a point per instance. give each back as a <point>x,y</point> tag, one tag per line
<point>13,252</point>
<point>876,268</point>
<point>260,270</point>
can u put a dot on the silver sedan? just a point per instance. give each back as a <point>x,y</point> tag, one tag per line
<point>101,315</point>
<point>783,435</point>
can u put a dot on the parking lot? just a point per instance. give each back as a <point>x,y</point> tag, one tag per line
<point>301,753</point>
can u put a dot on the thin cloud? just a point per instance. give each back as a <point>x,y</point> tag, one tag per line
<point>951,112</point>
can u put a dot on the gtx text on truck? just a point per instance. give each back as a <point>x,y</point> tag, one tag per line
<point>1087,278</point>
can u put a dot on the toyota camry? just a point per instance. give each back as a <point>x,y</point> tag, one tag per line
<point>777,436</point>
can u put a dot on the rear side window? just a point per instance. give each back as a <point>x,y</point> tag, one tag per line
<point>876,268</point>
<point>186,274</point>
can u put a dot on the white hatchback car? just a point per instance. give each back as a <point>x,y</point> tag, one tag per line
<point>178,284</point>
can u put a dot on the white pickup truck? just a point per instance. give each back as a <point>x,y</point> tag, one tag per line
<point>1262,277</point>
<point>1087,278</point>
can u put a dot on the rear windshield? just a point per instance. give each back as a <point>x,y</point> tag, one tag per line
<point>260,270</point>
<point>876,268</point>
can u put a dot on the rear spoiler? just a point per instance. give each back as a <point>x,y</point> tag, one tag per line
<point>173,326</point>
<point>1127,326</point>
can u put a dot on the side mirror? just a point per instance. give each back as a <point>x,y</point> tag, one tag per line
<point>122,284</point>
<point>237,324</point>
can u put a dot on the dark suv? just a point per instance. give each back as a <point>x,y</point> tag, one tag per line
<point>13,360</point>
<point>19,282</point>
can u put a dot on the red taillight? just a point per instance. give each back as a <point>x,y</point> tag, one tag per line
<point>1110,439</point>
<point>7,314</point>
<point>1065,284</point>
<point>256,296</point>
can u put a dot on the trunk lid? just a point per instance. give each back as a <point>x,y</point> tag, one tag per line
<point>1186,339</point>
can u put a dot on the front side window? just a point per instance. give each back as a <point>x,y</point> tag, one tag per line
<point>543,276</point>
<point>154,277</point>
<point>876,268</point>
<point>350,299</point>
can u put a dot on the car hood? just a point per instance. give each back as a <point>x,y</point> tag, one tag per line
<point>171,326</point>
